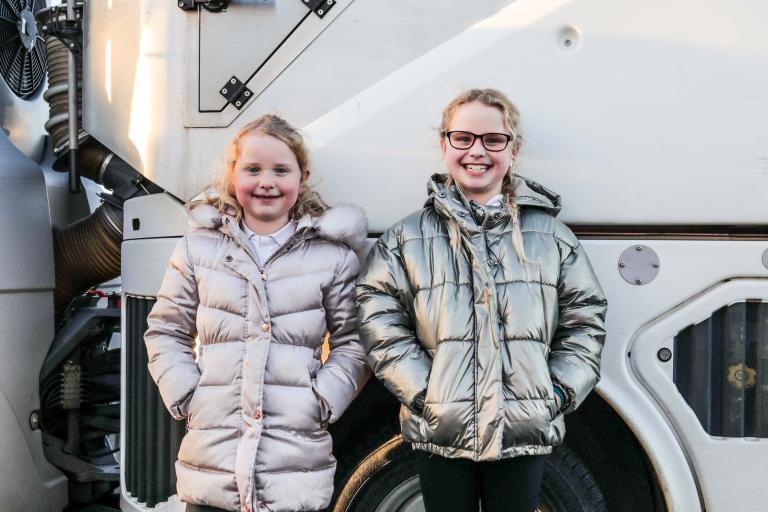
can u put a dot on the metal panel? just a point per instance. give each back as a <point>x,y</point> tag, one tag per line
<point>721,369</point>
<point>152,436</point>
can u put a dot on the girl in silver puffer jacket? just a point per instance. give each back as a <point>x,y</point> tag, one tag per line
<point>482,315</point>
<point>264,272</point>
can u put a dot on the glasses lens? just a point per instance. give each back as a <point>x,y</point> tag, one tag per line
<point>461,140</point>
<point>495,141</point>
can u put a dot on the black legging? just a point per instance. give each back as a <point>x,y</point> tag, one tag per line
<point>203,508</point>
<point>458,485</point>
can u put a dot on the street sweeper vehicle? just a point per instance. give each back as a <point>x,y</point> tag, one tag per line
<point>648,118</point>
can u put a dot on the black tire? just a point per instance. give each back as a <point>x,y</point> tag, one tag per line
<point>387,481</point>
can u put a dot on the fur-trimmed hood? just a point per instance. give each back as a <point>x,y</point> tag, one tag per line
<point>345,224</point>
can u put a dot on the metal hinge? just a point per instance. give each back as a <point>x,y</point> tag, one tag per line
<point>236,92</point>
<point>320,7</point>
<point>209,5</point>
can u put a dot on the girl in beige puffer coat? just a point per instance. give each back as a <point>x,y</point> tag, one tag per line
<point>264,272</point>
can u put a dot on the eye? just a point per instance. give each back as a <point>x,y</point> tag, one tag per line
<point>281,171</point>
<point>253,169</point>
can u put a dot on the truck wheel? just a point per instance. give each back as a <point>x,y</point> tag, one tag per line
<point>387,481</point>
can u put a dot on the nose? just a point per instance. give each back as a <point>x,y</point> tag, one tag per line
<point>477,148</point>
<point>266,181</point>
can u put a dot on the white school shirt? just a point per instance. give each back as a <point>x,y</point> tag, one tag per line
<point>266,245</point>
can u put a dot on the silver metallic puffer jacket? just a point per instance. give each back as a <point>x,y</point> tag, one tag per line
<point>483,337</point>
<point>257,399</point>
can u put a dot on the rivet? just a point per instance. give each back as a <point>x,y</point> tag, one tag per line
<point>181,4</point>
<point>34,420</point>
<point>237,103</point>
<point>265,327</point>
<point>224,91</point>
<point>227,258</point>
<point>247,93</point>
<point>233,81</point>
<point>320,12</point>
<point>329,2</point>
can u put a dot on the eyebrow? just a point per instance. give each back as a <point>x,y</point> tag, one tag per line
<point>246,164</point>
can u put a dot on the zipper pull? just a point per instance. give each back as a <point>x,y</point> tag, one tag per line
<point>263,275</point>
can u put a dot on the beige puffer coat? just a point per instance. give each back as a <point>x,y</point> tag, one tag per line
<point>477,336</point>
<point>257,399</point>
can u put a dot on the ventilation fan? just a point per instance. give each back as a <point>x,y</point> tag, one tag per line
<point>22,50</point>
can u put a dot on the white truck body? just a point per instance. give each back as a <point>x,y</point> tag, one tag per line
<point>648,118</point>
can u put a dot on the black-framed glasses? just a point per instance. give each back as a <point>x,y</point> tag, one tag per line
<point>490,141</point>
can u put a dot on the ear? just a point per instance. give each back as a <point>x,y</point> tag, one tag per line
<point>442,145</point>
<point>515,150</point>
<point>305,174</point>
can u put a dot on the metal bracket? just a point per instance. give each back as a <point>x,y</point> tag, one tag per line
<point>208,5</point>
<point>320,7</point>
<point>236,92</point>
<point>70,32</point>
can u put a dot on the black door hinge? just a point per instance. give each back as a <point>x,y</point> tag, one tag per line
<point>236,92</point>
<point>320,7</point>
<point>208,5</point>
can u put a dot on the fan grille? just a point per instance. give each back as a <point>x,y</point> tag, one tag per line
<point>22,49</point>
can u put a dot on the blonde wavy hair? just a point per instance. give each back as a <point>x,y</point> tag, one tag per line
<point>511,118</point>
<point>221,192</point>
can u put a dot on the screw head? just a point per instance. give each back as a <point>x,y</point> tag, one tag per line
<point>34,420</point>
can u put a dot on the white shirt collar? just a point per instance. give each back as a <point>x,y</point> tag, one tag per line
<point>495,200</point>
<point>280,236</point>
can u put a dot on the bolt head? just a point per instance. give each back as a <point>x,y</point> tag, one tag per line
<point>34,420</point>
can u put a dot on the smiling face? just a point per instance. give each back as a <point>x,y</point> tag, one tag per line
<point>266,178</point>
<point>477,171</point>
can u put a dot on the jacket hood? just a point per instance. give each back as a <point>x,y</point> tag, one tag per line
<point>527,192</point>
<point>344,224</point>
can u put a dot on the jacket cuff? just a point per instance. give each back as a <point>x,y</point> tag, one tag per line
<point>417,404</point>
<point>566,395</point>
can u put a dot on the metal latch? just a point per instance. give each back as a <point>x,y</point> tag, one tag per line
<point>320,7</point>
<point>236,92</point>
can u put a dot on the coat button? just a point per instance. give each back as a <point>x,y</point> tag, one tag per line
<point>227,258</point>
<point>265,327</point>
<point>257,414</point>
